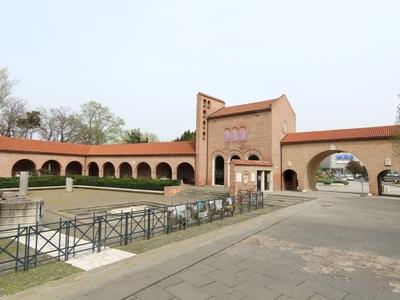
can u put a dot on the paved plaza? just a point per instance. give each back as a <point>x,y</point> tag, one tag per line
<point>336,247</point>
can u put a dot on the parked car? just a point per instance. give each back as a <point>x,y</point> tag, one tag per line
<point>350,177</point>
<point>391,177</point>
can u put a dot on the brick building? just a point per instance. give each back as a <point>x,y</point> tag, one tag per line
<point>252,146</point>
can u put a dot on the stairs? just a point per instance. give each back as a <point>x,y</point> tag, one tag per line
<point>204,193</point>
<point>285,200</point>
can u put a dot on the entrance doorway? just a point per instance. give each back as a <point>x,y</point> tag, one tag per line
<point>219,170</point>
<point>290,180</point>
<point>263,181</point>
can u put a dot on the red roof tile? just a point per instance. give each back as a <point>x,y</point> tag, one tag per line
<point>381,132</point>
<point>8,144</point>
<point>243,109</point>
<point>167,148</point>
<point>34,146</point>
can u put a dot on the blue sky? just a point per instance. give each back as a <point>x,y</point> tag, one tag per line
<point>338,62</point>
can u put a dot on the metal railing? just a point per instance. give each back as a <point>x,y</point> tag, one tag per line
<point>25,247</point>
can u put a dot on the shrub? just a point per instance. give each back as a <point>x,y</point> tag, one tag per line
<point>324,180</point>
<point>130,183</point>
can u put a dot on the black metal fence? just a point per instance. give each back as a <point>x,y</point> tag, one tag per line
<point>24,247</point>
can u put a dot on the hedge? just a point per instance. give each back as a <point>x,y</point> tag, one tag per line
<point>129,183</point>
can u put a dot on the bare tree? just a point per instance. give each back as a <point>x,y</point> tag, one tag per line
<point>11,112</point>
<point>59,124</point>
<point>5,85</point>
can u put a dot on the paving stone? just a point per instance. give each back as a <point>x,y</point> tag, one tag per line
<point>255,277</point>
<point>387,296</point>
<point>202,268</point>
<point>235,295</point>
<point>255,265</point>
<point>323,290</point>
<point>291,290</point>
<point>320,278</point>
<point>217,289</point>
<point>258,291</point>
<point>194,278</point>
<point>364,290</point>
<point>284,297</point>
<point>186,291</point>
<point>169,281</point>
<point>319,297</point>
<point>351,296</point>
<point>223,260</point>
<point>285,274</point>
<point>153,292</point>
<point>226,278</point>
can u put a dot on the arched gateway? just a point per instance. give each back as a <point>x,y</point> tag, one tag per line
<point>303,152</point>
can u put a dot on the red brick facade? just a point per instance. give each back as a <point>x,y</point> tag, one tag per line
<point>264,131</point>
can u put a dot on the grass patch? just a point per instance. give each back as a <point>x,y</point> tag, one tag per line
<point>141,246</point>
<point>15,282</point>
<point>11,248</point>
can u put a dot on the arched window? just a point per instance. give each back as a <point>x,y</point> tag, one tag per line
<point>227,135</point>
<point>242,134</point>
<point>234,135</point>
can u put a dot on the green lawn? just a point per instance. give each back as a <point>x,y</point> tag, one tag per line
<point>16,282</point>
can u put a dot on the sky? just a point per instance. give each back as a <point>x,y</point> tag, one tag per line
<point>338,62</point>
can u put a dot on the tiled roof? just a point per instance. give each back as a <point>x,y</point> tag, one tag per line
<point>167,148</point>
<point>381,132</point>
<point>8,144</point>
<point>34,146</point>
<point>244,108</point>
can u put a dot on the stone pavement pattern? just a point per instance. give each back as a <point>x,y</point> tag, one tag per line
<point>306,256</point>
<point>337,247</point>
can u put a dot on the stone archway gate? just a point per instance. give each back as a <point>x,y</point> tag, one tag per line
<point>304,151</point>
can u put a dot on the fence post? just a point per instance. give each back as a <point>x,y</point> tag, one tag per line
<point>75,245</point>
<point>59,240</point>
<point>126,228</point>
<point>36,241</point>
<point>99,234</point>
<point>148,223</point>
<point>17,248</point>
<point>27,242</point>
<point>66,246</point>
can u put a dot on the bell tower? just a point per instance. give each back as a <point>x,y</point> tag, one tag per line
<point>206,105</point>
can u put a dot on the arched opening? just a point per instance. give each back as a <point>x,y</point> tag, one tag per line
<point>337,171</point>
<point>125,170</point>
<point>50,167</point>
<point>233,157</point>
<point>143,170</point>
<point>219,166</point>
<point>253,157</point>
<point>108,170</point>
<point>73,168</point>
<point>163,171</point>
<point>185,172</point>
<point>290,181</point>
<point>389,183</point>
<point>23,165</point>
<point>93,169</point>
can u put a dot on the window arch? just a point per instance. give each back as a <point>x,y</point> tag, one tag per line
<point>234,135</point>
<point>227,135</point>
<point>242,134</point>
